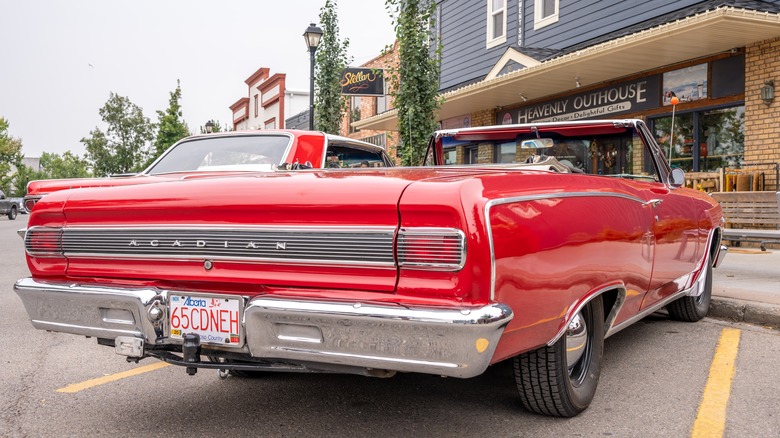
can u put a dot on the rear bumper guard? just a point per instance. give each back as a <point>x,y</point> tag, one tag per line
<point>456,342</point>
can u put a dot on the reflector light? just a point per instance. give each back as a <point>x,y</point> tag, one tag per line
<point>441,249</point>
<point>43,242</point>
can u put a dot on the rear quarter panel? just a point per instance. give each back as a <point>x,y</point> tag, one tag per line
<point>556,240</point>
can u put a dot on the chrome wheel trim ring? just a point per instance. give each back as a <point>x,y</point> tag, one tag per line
<point>576,341</point>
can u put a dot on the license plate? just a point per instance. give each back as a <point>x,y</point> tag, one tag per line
<point>216,319</point>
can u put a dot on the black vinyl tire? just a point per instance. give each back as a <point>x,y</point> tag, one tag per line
<point>548,385</point>
<point>12,214</point>
<point>692,309</point>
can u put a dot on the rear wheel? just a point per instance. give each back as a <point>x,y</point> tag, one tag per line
<point>560,380</point>
<point>12,213</point>
<point>692,309</point>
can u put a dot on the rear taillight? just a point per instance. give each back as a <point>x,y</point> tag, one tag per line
<point>29,202</point>
<point>43,242</point>
<point>436,249</point>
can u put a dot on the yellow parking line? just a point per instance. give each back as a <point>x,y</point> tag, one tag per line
<point>711,419</point>
<point>76,387</point>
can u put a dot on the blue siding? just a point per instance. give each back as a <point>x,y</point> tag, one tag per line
<point>464,36</point>
<point>579,21</point>
<point>464,28</point>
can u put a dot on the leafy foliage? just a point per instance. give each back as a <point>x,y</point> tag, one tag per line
<point>124,147</point>
<point>67,165</point>
<point>10,155</point>
<point>415,82</point>
<point>24,175</point>
<point>170,126</point>
<point>331,59</point>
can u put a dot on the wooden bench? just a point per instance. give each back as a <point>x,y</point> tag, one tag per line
<point>751,216</point>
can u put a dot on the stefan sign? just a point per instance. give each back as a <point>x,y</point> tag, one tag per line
<point>362,82</point>
<point>628,97</point>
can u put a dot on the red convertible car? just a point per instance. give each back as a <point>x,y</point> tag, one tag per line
<point>439,269</point>
<point>233,152</point>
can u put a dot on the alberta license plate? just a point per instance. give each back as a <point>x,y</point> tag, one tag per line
<point>216,319</point>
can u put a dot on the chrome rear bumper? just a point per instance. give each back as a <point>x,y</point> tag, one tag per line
<point>456,342</point>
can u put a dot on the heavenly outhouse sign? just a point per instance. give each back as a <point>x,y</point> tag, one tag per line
<point>362,82</point>
<point>628,97</point>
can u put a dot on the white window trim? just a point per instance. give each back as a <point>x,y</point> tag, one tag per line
<point>540,22</point>
<point>502,39</point>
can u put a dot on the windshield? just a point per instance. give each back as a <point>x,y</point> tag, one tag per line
<point>618,154</point>
<point>345,155</point>
<point>250,153</point>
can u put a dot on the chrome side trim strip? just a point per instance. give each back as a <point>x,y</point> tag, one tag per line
<point>655,307</point>
<point>536,197</point>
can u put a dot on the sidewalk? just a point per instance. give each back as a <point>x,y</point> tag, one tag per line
<point>746,287</point>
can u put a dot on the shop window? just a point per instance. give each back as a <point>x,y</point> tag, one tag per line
<point>450,156</point>
<point>722,139</point>
<point>506,153</point>
<point>472,155</point>
<point>545,13</point>
<point>496,22</point>
<point>703,141</point>
<point>354,111</point>
<point>381,104</point>
<point>677,145</point>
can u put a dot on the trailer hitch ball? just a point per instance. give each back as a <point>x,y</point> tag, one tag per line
<point>191,351</point>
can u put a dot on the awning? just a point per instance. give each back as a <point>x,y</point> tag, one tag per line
<point>693,37</point>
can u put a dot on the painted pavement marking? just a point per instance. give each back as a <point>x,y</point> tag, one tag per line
<point>711,418</point>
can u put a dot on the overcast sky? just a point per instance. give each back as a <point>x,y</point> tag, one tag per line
<point>59,60</point>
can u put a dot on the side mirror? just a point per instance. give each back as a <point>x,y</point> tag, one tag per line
<point>677,178</point>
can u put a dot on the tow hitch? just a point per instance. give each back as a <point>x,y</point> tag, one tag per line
<point>191,351</point>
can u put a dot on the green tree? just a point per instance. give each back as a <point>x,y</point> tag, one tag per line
<point>24,175</point>
<point>124,147</point>
<point>170,126</point>
<point>331,59</point>
<point>67,165</point>
<point>10,156</point>
<point>415,81</point>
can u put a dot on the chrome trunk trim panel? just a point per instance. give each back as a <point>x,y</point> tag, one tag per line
<point>353,246</point>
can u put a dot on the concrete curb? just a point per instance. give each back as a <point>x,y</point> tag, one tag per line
<point>751,312</point>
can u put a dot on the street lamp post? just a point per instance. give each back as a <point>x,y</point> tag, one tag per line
<point>313,35</point>
<point>209,127</point>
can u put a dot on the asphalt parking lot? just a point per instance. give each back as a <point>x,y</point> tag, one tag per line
<point>654,383</point>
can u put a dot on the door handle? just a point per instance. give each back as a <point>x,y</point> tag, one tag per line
<point>653,203</point>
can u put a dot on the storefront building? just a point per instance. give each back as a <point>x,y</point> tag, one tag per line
<point>719,59</point>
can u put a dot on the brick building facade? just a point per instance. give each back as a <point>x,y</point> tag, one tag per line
<point>268,102</point>
<point>363,107</point>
